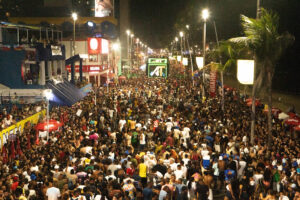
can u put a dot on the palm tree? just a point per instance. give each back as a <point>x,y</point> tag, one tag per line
<point>226,54</point>
<point>263,39</point>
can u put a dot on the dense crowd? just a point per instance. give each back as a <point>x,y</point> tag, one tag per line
<point>11,113</point>
<point>154,139</point>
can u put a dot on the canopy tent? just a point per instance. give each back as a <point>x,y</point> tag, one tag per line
<point>292,122</point>
<point>283,116</point>
<point>65,93</point>
<point>53,125</point>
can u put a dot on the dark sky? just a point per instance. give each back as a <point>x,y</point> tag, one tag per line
<point>154,20</point>
<point>157,22</point>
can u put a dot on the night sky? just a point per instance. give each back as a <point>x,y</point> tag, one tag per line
<point>157,22</point>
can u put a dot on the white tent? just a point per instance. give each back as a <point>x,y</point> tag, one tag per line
<point>283,116</point>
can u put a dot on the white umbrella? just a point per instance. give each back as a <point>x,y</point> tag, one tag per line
<point>143,67</point>
<point>283,116</point>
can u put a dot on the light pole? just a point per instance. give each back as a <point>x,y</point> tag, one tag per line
<point>75,17</point>
<point>176,40</point>
<point>128,52</point>
<point>181,36</point>
<point>48,95</point>
<point>205,15</point>
<point>188,45</point>
<point>131,42</point>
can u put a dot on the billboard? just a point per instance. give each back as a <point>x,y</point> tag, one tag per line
<point>103,8</point>
<point>245,71</point>
<point>157,67</point>
<point>98,45</point>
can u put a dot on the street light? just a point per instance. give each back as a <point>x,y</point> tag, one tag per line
<point>128,49</point>
<point>181,36</point>
<point>75,17</point>
<point>116,46</point>
<point>188,45</point>
<point>205,15</point>
<point>187,26</point>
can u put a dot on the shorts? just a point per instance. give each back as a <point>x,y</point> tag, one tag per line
<point>222,176</point>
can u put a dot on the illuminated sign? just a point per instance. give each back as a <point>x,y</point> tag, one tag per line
<point>93,45</point>
<point>103,8</point>
<point>56,50</point>
<point>178,58</point>
<point>104,46</point>
<point>185,61</point>
<point>245,71</point>
<point>199,61</point>
<point>94,68</point>
<point>157,67</point>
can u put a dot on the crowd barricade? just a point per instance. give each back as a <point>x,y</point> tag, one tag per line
<point>19,127</point>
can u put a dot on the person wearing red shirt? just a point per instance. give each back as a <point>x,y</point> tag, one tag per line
<point>15,184</point>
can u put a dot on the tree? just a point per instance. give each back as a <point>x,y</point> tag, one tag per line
<point>263,39</point>
<point>226,53</point>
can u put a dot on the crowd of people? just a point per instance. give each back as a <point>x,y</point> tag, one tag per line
<point>11,113</point>
<point>154,139</point>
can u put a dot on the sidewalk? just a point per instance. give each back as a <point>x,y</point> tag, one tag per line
<point>280,99</point>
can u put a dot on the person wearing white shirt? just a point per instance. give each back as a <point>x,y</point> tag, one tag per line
<point>52,193</point>
<point>168,174</point>
<point>169,125</point>
<point>186,132</point>
<point>173,165</point>
<point>179,174</point>
<point>122,122</point>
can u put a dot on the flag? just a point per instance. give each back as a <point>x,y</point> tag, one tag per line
<point>12,149</point>
<point>19,151</point>
<point>28,142</point>
<point>37,141</point>
<point>4,154</point>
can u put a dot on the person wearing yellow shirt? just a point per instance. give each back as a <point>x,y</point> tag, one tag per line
<point>143,172</point>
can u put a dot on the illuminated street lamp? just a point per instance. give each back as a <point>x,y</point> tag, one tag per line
<point>75,17</point>
<point>205,15</point>
<point>187,26</point>
<point>191,59</point>
<point>181,36</point>
<point>128,48</point>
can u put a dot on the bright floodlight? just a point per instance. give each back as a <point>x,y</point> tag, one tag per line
<point>205,14</point>
<point>48,94</point>
<point>90,24</point>
<point>132,35</point>
<point>187,26</point>
<point>116,46</point>
<point>176,39</point>
<point>74,16</point>
<point>181,34</point>
<point>128,32</point>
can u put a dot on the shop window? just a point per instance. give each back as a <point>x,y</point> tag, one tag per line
<point>93,58</point>
<point>30,74</point>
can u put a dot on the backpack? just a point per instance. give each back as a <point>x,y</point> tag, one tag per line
<point>70,184</point>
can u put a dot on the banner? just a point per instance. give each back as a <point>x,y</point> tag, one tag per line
<point>86,89</point>
<point>103,8</point>
<point>19,126</point>
<point>213,83</point>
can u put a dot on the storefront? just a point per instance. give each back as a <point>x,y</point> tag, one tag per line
<point>97,60</point>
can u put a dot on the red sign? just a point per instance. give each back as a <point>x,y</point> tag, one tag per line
<point>213,83</point>
<point>87,68</point>
<point>94,45</point>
